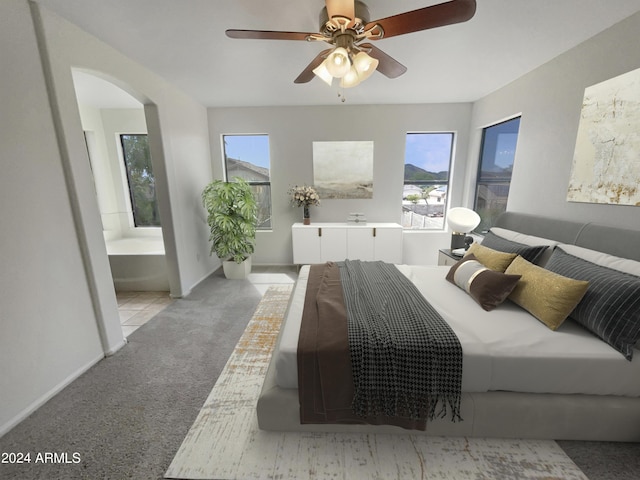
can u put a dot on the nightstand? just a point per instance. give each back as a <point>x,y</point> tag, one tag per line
<point>445,257</point>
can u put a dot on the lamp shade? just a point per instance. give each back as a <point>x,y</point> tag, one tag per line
<point>364,65</point>
<point>338,63</point>
<point>321,72</point>
<point>462,220</point>
<point>351,79</point>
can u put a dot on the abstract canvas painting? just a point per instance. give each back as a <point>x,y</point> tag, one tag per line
<point>343,169</point>
<point>606,165</point>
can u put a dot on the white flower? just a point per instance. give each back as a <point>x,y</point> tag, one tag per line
<point>304,196</point>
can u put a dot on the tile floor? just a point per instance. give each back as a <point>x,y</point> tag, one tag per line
<point>137,308</point>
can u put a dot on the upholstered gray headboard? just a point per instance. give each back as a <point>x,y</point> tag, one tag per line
<point>614,241</point>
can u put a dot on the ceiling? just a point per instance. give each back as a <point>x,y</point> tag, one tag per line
<point>184,42</point>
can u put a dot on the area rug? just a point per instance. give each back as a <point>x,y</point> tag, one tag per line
<point>225,443</point>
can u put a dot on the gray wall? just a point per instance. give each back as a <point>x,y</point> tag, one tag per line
<point>550,100</point>
<point>292,130</point>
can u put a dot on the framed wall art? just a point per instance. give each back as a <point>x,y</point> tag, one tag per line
<point>343,169</point>
<point>606,162</point>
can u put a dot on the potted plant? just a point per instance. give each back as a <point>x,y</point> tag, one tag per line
<point>232,217</point>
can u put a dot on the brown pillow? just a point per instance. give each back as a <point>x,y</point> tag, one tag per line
<point>487,287</point>
<point>493,259</point>
<point>548,296</point>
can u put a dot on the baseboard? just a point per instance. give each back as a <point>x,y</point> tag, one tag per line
<point>47,396</point>
<point>198,282</point>
<point>113,350</point>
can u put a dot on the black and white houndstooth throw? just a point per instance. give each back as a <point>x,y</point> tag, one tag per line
<point>405,358</point>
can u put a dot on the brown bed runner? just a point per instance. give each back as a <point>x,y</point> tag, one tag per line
<point>325,380</point>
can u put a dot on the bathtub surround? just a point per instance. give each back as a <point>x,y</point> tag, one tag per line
<point>138,263</point>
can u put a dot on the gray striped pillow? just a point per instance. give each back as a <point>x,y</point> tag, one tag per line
<point>611,307</point>
<point>528,252</point>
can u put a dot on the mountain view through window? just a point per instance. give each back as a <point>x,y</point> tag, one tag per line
<point>427,164</point>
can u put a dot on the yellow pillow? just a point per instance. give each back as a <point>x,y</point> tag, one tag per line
<point>490,258</point>
<point>544,294</point>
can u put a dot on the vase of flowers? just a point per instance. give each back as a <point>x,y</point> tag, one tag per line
<point>304,196</point>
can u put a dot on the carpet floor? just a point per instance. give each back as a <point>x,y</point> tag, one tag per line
<point>128,415</point>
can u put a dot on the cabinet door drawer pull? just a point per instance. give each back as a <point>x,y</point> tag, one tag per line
<point>319,232</point>
<point>374,232</point>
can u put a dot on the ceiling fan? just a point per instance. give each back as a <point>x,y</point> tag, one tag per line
<point>344,24</point>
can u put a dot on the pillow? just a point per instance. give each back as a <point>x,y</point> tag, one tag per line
<point>599,258</point>
<point>546,295</point>
<point>487,287</point>
<point>611,307</point>
<point>528,252</point>
<point>493,259</point>
<point>523,238</point>
<point>530,240</point>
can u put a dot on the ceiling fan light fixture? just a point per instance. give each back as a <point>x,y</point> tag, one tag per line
<point>344,24</point>
<point>338,63</point>
<point>365,65</point>
<point>321,72</point>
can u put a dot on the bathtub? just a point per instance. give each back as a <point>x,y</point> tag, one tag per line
<point>138,264</point>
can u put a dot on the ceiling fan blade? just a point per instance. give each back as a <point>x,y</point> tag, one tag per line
<point>387,65</point>
<point>448,13</point>
<point>268,35</point>
<point>341,8</point>
<point>307,74</point>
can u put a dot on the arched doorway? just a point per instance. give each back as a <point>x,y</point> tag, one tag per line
<point>117,139</point>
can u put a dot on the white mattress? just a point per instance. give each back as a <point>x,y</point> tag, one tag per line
<point>505,349</point>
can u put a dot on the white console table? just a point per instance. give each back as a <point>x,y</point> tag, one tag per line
<point>323,242</point>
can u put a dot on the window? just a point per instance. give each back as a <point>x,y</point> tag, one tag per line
<point>497,154</point>
<point>427,162</point>
<point>142,184</point>
<point>247,157</point>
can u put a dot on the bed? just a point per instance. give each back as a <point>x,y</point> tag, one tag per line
<point>520,379</point>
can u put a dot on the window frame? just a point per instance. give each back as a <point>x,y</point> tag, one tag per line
<point>252,183</point>
<point>483,227</point>
<point>445,203</point>
<point>127,180</point>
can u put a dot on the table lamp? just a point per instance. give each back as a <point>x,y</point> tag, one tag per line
<point>461,221</point>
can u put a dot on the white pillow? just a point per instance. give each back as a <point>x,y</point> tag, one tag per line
<point>530,240</point>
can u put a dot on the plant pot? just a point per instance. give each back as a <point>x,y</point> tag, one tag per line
<point>236,271</point>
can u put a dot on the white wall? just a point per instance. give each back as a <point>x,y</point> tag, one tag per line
<point>291,133</point>
<point>48,330</point>
<point>550,100</point>
<point>107,165</point>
